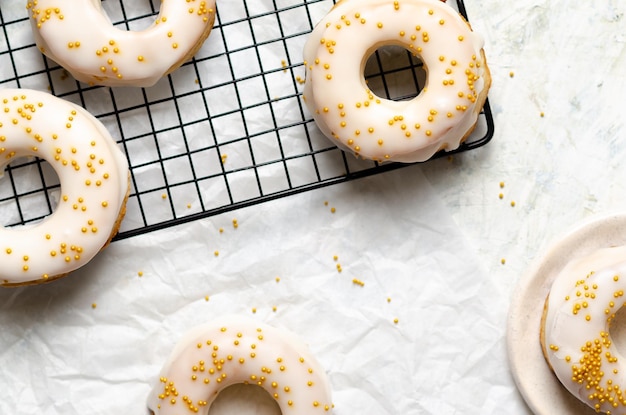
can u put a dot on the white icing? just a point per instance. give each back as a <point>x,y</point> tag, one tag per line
<point>354,118</point>
<point>234,350</point>
<point>79,36</point>
<point>582,304</point>
<point>93,175</point>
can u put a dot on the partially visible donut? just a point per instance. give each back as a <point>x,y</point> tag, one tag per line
<point>576,329</point>
<point>79,36</point>
<point>353,117</point>
<point>94,179</point>
<point>236,350</point>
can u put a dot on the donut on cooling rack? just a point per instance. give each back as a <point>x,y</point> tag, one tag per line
<point>576,329</point>
<point>238,350</point>
<point>80,38</point>
<point>94,185</point>
<point>442,115</point>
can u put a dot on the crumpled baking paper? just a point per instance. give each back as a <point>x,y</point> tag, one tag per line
<point>94,341</point>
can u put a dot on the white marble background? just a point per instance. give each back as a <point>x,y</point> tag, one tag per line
<point>431,237</point>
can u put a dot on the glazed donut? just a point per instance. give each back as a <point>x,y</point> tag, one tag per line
<point>94,179</point>
<point>576,329</point>
<point>79,36</point>
<point>442,115</point>
<point>236,350</point>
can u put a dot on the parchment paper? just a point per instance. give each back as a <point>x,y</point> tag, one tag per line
<point>94,341</point>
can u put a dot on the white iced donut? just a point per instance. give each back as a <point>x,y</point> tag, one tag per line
<point>235,350</point>
<point>79,36</point>
<point>442,115</point>
<point>93,176</point>
<point>576,336</point>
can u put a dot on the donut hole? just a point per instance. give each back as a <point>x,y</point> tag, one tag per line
<point>392,72</point>
<point>617,330</point>
<point>244,399</point>
<point>29,192</point>
<point>133,16</point>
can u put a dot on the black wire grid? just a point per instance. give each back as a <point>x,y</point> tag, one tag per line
<point>226,130</point>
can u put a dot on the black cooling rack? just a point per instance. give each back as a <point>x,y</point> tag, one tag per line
<point>226,130</point>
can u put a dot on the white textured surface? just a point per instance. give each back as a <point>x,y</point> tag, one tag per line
<point>431,237</point>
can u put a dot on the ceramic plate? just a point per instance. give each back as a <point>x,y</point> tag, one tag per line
<point>540,388</point>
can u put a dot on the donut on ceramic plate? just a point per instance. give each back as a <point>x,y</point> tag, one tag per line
<point>235,350</point>
<point>576,329</point>
<point>79,36</point>
<point>94,180</point>
<point>440,117</point>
